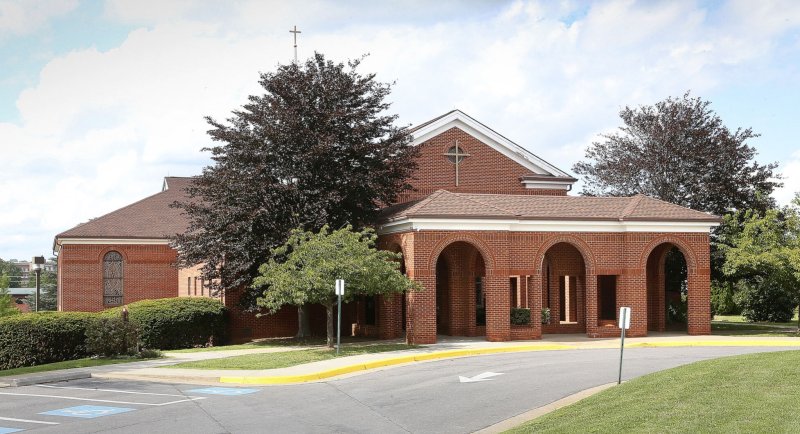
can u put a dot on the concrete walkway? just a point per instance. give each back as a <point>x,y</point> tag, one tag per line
<point>447,347</point>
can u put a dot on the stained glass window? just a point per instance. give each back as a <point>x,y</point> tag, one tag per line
<point>112,279</point>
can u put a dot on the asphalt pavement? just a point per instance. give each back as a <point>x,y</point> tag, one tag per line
<point>457,395</point>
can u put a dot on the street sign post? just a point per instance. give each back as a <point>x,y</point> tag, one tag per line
<point>339,290</point>
<point>624,324</point>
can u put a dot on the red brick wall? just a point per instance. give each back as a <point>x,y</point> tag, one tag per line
<point>148,274</point>
<point>484,171</point>
<point>585,255</point>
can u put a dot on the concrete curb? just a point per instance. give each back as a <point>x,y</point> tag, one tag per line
<point>51,377</point>
<point>543,410</point>
<point>321,375</point>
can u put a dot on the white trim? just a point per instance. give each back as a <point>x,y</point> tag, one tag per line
<point>497,142</point>
<point>519,225</point>
<point>549,185</point>
<point>122,241</point>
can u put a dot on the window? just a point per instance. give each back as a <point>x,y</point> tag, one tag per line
<point>112,279</point>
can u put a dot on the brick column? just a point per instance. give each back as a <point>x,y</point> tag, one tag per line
<point>635,289</point>
<point>699,293</point>
<point>591,305</point>
<point>498,309</point>
<point>421,312</point>
<point>389,319</point>
<point>535,303</point>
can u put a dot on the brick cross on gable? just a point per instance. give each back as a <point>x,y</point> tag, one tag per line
<point>455,155</point>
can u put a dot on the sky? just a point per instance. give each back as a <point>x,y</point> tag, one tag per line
<point>99,100</point>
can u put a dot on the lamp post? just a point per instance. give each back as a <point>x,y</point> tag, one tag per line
<point>37,262</point>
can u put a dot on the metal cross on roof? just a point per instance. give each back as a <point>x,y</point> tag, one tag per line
<point>295,31</point>
<point>455,155</point>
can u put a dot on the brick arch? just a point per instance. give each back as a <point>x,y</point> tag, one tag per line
<point>117,249</point>
<point>483,249</point>
<point>686,250</point>
<point>579,244</point>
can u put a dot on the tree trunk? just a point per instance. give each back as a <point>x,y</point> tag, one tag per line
<point>303,326</point>
<point>329,311</point>
<point>798,317</point>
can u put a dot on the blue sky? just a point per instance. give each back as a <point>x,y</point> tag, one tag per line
<point>99,100</point>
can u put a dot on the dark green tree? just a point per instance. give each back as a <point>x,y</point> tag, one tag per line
<point>316,148</point>
<point>305,268</point>
<point>678,150</point>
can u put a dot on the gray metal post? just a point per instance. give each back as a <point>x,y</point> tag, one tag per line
<point>339,326</point>
<point>38,272</point>
<point>621,349</point>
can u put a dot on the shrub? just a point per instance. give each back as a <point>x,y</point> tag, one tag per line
<point>723,301</point>
<point>764,299</point>
<point>46,337</point>
<point>111,336</point>
<point>546,315</point>
<point>172,323</point>
<point>520,316</point>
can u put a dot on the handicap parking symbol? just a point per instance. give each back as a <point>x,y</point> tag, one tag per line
<point>227,391</point>
<point>87,411</point>
<point>4,430</point>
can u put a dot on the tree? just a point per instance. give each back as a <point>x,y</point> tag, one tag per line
<point>314,149</point>
<point>678,150</point>
<point>765,258</point>
<point>48,290</point>
<point>13,273</point>
<point>305,268</point>
<point>7,307</point>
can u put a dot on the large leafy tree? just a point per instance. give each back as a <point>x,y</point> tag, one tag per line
<point>12,272</point>
<point>305,268</point>
<point>678,150</point>
<point>316,148</point>
<point>48,286</point>
<point>6,303</point>
<point>764,258</point>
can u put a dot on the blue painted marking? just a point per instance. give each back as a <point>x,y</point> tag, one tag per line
<point>227,391</point>
<point>88,411</point>
<point>4,430</point>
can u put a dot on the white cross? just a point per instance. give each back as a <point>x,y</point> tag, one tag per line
<point>295,32</point>
<point>458,157</point>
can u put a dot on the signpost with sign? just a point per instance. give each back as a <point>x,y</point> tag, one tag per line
<point>339,290</point>
<point>624,324</point>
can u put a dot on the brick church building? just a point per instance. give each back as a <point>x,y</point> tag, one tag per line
<point>488,227</point>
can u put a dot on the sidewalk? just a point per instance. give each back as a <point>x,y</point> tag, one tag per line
<point>447,347</point>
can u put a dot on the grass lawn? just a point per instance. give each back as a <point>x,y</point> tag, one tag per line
<point>744,394</point>
<point>69,364</point>
<point>264,343</point>
<point>289,358</point>
<point>735,325</point>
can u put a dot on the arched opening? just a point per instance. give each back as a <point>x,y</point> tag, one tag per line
<point>667,289</point>
<point>460,295</point>
<point>564,289</point>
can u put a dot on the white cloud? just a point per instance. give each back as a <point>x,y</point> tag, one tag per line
<point>791,181</point>
<point>101,128</point>
<point>22,17</point>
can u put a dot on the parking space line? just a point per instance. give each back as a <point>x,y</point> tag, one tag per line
<point>74,398</point>
<point>11,419</point>
<point>116,391</point>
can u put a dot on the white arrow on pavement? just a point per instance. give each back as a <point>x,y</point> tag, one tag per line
<point>486,376</point>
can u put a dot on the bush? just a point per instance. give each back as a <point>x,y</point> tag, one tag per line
<point>520,316</point>
<point>765,300</point>
<point>111,336</point>
<point>546,315</point>
<point>173,323</point>
<point>39,338</point>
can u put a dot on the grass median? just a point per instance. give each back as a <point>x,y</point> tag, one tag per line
<point>750,393</point>
<point>69,364</point>
<point>285,359</point>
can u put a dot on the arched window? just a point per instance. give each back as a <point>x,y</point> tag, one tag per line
<point>112,279</point>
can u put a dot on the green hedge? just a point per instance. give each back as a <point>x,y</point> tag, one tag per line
<point>520,316</point>
<point>172,323</point>
<point>37,338</point>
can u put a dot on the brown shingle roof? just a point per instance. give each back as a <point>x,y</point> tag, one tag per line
<point>151,217</point>
<point>445,204</point>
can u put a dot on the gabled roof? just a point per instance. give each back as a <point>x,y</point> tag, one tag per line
<point>149,218</point>
<point>444,204</point>
<point>456,118</point>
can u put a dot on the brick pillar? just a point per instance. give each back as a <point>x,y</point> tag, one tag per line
<point>421,312</point>
<point>699,293</point>
<point>635,289</point>
<point>591,305</point>
<point>498,309</point>
<point>535,303</point>
<point>389,313</point>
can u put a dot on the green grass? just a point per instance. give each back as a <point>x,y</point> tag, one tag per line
<point>753,393</point>
<point>264,343</point>
<point>289,358</point>
<point>752,329</point>
<point>69,364</point>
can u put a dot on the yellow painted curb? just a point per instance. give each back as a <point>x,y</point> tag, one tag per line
<point>291,379</point>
